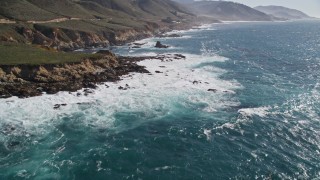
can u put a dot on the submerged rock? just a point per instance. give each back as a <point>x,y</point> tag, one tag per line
<point>139,44</point>
<point>90,85</point>
<point>57,106</point>
<point>179,56</point>
<point>13,144</point>
<point>195,82</point>
<point>212,90</point>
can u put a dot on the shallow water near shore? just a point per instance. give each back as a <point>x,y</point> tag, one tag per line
<point>260,119</point>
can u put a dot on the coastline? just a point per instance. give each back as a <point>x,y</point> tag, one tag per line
<point>71,77</point>
<point>25,81</point>
<point>33,80</point>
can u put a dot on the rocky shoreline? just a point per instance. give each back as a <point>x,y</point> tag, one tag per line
<point>33,80</point>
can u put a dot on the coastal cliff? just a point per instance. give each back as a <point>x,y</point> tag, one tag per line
<point>68,40</point>
<point>64,39</point>
<point>33,80</point>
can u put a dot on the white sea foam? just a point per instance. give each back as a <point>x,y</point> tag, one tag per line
<point>185,82</point>
<point>195,29</point>
<point>154,95</point>
<point>245,117</point>
<point>249,112</point>
<point>164,168</point>
<point>208,134</point>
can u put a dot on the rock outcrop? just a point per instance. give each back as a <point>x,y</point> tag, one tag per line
<point>160,45</point>
<point>33,80</point>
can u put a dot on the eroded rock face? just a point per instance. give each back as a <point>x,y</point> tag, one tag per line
<point>56,73</point>
<point>68,39</point>
<point>35,37</point>
<point>129,35</point>
<point>63,39</point>
<point>32,80</point>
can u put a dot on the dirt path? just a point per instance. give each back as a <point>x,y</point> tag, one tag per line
<point>54,20</point>
<point>6,21</point>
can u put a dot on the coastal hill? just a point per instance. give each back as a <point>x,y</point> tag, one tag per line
<point>228,11</point>
<point>47,10</point>
<point>282,12</point>
<point>72,24</point>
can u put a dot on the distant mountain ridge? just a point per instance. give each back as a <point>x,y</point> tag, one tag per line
<point>282,12</point>
<point>228,11</point>
<point>184,1</point>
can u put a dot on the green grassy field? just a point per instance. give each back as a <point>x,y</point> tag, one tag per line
<point>15,54</point>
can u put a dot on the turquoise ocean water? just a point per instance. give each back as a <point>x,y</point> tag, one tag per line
<point>263,121</point>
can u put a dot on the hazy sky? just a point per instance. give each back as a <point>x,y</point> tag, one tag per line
<point>311,7</point>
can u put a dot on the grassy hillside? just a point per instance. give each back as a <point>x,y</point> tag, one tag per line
<point>66,8</point>
<point>92,15</point>
<point>24,10</point>
<point>88,9</point>
<point>109,14</point>
<point>125,6</point>
<point>102,12</point>
<point>141,8</point>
